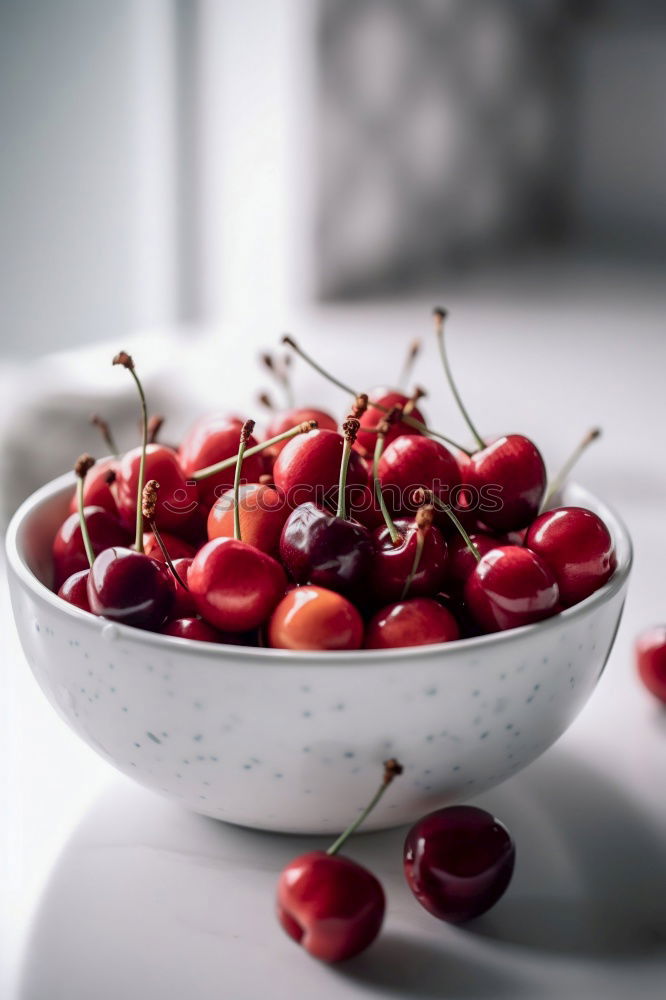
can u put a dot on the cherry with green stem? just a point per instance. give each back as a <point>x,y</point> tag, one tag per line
<point>440,316</point>
<point>228,463</point>
<point>423,522</point>
<point>329,904</point>
<point>126,361</point>
<point>558,481</point>
<point>246,431</point>
<point>149,507</point>
<point>382,430</point>
<point>83,464</point>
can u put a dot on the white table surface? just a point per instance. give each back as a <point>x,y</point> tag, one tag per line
<point>111,892</point>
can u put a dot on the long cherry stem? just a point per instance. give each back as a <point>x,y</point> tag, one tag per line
<point>440,316</point>
<point>424,519</point>
<point>420,496</point>
<point>412,354</point>
<point>227,463</point>
<point>83,464</point>
<point>103,427</point>
<point>392,768</point>
<point>382,430</point>
<point>149,509</point>
<point>411,421</point>
<point>246,431</point>
<point>350,430</point>
<point>558,481</point>
<point>124,359</point>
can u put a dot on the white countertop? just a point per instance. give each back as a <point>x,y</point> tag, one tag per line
<point>111,893</point>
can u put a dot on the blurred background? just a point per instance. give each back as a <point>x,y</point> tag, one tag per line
<point>217,172</point>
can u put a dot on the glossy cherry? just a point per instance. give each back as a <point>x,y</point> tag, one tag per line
<point>412,461</point>
<point>235,586</point>
<point>320,548</point>
<point>315,618</point>
<point>651,661</point>
<point>69,554</point>
<point>511,586</point>
<point>577,546</point>
<point>308,468</point>
<point>392,564</point>
<point>508,479</point>
<point>178,496</point>
<point>100,487</point>
<point>263,511</point>
<point>462,562</point>
<point>416,622</point>
<point>193,628</point>
<point>387,399</point>
<point>213,439</point>
<point>184,605</point>
<point>130,587</point>
<point>331,905</point>
<point>282,421</point>
<point>458,862</point>
<point>75,590</point>
<point>176,546</point>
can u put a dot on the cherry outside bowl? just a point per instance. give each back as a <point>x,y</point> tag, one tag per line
<point>294,742</point>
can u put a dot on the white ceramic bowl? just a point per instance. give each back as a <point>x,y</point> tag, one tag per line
<point>294,741</point>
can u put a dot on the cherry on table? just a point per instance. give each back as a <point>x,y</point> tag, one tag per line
<point>458,862</point>
<point>578,548</point>
<point>511,586</point>
<point>650,655</point>
<point>419,621</point>
<point>313,618</point>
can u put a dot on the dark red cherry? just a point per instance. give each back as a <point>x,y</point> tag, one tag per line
<point>319,548</point>
<point>178,497</point>
<point>263,511</point>
<point>330,904</point>
<point>462,562</point>
<point>388,398</point>
<point>193,628</point>
<point>235,586</point>
<point>577,546</point>
<point>458,862</point>
<point>509,480</point>
<point>413,461</point>
<point>69,554</point>
<point>391,564</point>
<point>211,440</point>
<point>416,622</point>
<point>363,506</point>
<point>315,618</point>
<point>75,590</point>
<point>175,546</point>
<point>651,661</point>
<point>97,491</point>
<point>184,605</point>
<point>511,586</point>
<point>308,468</point>
<point>130,587</point>
<point>286,419</point>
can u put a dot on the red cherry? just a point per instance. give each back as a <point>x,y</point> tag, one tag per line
<point>178,496</point>
<point>69,554</point>
<point>577,546</point>
<point>391,565</point>
<point>289,418</point>
<point>508,478</point>
<point>511,586</point>
<point>413,461</point>
<point>193,628</point>
<point>458,861</point>
<point>318,547</point>
<point>308,467</point>
<point>97,491</point>
<point>651,661</point>
<point>211,440</point>
<point>417,622</point>
<point>235,586</point>
<point>387,398</point>
<point>184,605</point>
<point>363,507</point>
<point>263,511</point>
<point>331,905</point>
<point>315,618</point>
<point>176,547</point>
<point>75,590</point>
<point>462,561</point>
<point>130,587</point>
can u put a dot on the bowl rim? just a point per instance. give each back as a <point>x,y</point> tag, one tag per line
<point>354,657</point>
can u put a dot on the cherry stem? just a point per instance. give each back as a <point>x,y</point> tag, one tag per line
<point>280,372</point>
<point>104,429</point>
<point>265,400</point>
<point>396,537</point>
<point>412,354</point>
<point>424,518</point>
<point>411,421</point>
<point>124,359</point>
<point>154,427</point>
<point>246,431</point>
<point>557,482</point>
<point>421,494</point>
<point>227,463</point>
<point>391,770</point>
<point>350,430</point>
<point>440,316</point>
<point>83,463</point>
<point>149,507</point>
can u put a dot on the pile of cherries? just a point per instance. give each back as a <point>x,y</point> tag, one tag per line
<point>380,534</point>
<point>458,861</point>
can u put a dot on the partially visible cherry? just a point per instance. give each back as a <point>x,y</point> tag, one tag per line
<point>462,560</point>
<point>193,628</point>
<point>178,549</point>
<point>509,477</point>
<point>329,904</point>
<point>391,575</point>
<point>69,554</point>
<point>100,488</point>
<point>282,421</point>
<point>263,511</point>
<point>130,587</point>
<point>308,468</point>
<point>178,494</point>
<point>509,587</point>
<point>577,546</point>
<point>75,590</point>
<point>320,548</point>
<point>387,399</point>
<point>458,862</point>
<point>184,605</point>
<point>412,461</point>
<point>211,440</point>
<point>416,622</point>
<point>651,661</point>
<point>317,619</point>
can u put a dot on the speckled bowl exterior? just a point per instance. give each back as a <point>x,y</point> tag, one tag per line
<point>294,741</point>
